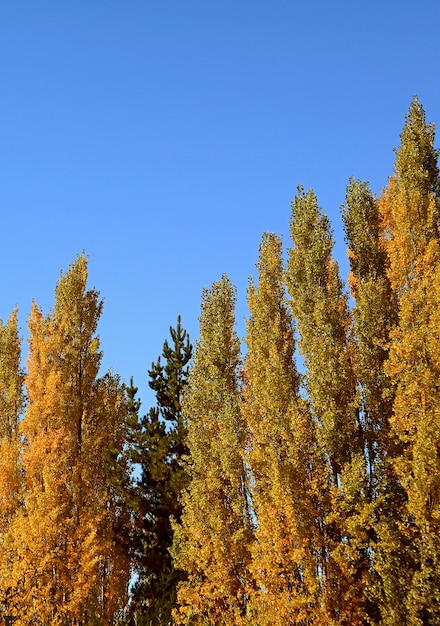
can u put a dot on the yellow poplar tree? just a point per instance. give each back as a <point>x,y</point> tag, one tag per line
<point>67,557</point>
<point>281,455</point>
<point>410,209</point>
<point>11,476</point>
<point>319,304</point>
<point>11,407</point>
<point>375,314</point>
<point>211,544</point>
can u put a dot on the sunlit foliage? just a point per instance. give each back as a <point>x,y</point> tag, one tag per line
<point>296,481</point>
<point>212,542</point>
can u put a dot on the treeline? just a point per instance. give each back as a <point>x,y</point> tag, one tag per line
<point>256,492</point>
<point>314,493</point>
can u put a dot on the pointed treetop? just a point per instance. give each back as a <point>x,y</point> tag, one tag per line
<point>416,160</point>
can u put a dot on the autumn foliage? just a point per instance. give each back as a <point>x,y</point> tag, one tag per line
<point>339,403</point>
<point>296,481</point>
<point>62,558</point>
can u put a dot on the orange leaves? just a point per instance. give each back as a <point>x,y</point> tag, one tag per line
<point>410,213</point>
<point>61,541</point>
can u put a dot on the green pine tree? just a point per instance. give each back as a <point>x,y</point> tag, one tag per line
<point>160,448</point>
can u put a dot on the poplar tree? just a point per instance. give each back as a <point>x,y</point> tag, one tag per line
<point>211,544</point>
<point>12,402</point>
<point>410,210</point>
<point>319,304</point>
<point>67,553</point>
<point>282,458</point>
<point>375,317</point>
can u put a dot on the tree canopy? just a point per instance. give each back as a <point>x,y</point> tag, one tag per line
<point>291,480</point>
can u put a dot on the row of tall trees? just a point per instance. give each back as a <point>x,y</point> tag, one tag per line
<point>294,482</point>
<point>314,491</point>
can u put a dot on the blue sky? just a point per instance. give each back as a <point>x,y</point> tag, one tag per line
<point>163,137</point>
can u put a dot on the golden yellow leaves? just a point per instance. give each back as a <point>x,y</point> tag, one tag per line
<point>55,496</point>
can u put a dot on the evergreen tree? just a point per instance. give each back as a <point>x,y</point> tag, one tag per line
<point>160,450</point>
<point>211,543</point>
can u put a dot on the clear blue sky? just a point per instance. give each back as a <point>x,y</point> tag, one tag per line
<point>164,136</point>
